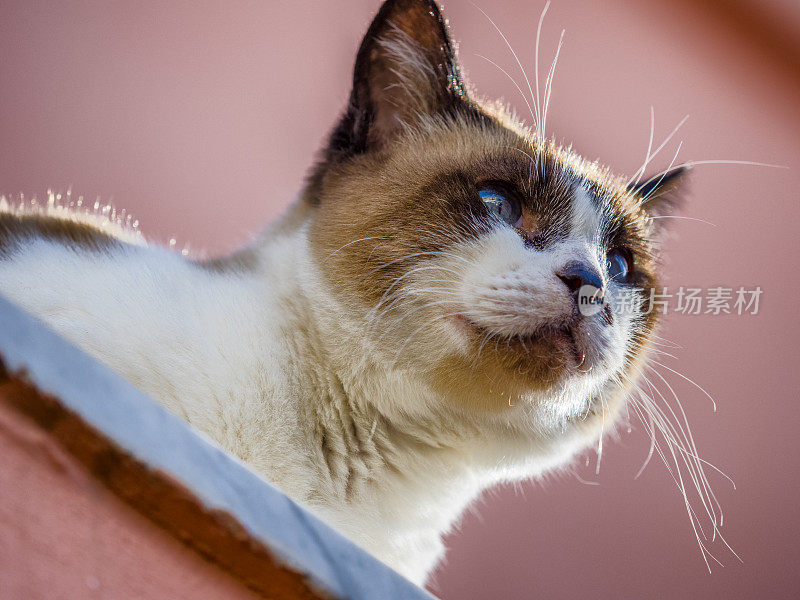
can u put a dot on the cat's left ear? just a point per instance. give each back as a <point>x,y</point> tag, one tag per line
<point>406,69</point>
<point>662,195</point>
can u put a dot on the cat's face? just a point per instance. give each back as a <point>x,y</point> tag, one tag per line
<point>496,268</point>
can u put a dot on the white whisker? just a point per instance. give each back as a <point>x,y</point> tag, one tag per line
<point>548,86</point>
<point>519,64</point>
<point>640,172</point>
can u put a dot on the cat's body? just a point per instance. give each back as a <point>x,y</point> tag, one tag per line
<point>289,355</point>
<point>253,355</point>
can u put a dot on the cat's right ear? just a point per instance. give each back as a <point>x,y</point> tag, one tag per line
<point>661,194</point>
<point>405,69</point>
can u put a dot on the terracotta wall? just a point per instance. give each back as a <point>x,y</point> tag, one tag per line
<point>63,534</point>
<point>202,117</point>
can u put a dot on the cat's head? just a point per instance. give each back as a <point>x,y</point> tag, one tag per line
<point>492,266</point>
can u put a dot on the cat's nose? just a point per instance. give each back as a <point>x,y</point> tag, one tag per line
<point>577,274</point>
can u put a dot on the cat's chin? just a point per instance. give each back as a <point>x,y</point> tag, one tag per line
<point>554,353</point>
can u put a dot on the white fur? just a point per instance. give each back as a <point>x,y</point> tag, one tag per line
<point>268,362</point>
<point>585,219</point>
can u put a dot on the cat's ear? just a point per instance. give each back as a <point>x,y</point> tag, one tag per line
<point>405,69</point>
<point>662,194</point>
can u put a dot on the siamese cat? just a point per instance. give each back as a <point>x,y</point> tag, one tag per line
<point>410,332</point>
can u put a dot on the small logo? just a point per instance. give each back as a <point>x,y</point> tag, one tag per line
<point>590,300</point>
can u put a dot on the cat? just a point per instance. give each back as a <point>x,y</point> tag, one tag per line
<point>414,329</point>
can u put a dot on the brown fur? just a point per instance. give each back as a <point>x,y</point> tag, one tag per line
<point>15,228</point>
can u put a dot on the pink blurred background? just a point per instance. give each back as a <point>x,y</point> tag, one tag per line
<point>201,118</point>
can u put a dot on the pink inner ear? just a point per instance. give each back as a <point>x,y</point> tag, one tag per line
<point>410,68</point>
<point>406,80</point>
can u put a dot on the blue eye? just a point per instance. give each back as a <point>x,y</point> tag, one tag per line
<point>619,265</point>
<point>501,204</point>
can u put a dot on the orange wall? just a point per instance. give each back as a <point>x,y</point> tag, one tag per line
<point>201,118</point>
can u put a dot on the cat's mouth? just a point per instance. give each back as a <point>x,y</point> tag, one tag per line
<point>565,347</point>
